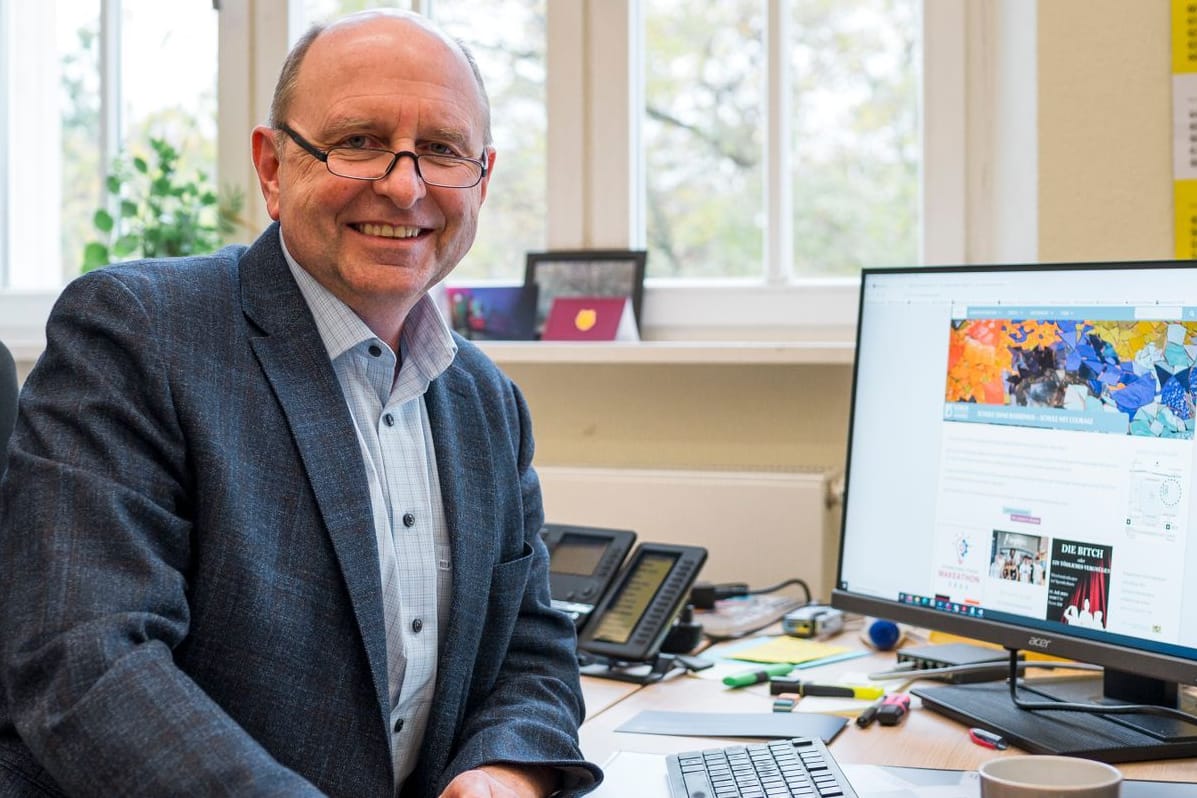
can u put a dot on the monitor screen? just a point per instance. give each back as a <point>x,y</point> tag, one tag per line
<point>1020,458</point>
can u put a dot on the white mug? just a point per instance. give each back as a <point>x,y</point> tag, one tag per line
<point>1037,776</point>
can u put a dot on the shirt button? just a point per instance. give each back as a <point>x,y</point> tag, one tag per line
<point>417,625</point>
<point>409,520</point>
<point>375,350</point>
<point>389,420</point>
<point>398,725</point>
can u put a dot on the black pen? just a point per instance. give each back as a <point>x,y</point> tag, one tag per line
<point>865,719</point>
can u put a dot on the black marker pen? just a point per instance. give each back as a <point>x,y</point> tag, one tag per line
<point>865,719</point>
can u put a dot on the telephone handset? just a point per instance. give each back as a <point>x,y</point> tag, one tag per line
<point>632,619</point>
<point>583,562</point>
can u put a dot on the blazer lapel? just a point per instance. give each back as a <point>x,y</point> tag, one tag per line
<point>296,364</point>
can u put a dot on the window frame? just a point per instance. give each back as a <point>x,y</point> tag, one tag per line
<point>5,101</point>
<point>594,105</point>
<point>596,45</point>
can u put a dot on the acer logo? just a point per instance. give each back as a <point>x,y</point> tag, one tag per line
<point>1039,642</point>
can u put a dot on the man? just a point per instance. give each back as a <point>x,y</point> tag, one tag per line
<point>268,527</point>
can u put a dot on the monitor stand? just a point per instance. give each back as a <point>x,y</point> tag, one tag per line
<point>1109,738</point>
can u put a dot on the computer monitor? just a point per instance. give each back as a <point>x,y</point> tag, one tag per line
<point>1020,462</point>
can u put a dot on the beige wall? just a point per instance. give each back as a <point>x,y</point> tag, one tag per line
<point>667,416</point>
<point>1104,192</point>
<point>1105,130</point>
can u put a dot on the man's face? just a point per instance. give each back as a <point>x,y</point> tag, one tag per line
<point>376,245</point>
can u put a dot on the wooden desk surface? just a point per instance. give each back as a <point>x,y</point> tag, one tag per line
<point>602,694</point>
<point>924,739</point>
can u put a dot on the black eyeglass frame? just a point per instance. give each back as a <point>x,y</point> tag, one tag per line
<point>322,156</point>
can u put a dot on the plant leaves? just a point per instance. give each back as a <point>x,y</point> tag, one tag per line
<point>126,245</point>
<point>95,255</point>
<point>102,221</point>
<point>161,213</point>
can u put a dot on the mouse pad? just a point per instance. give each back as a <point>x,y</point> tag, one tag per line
<point>736,724</point>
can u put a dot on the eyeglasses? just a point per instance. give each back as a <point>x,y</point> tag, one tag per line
<point>365,163</point>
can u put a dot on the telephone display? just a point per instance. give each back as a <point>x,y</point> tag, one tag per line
<point>633,599</point>
<point>583,562</point>
<point>634,616</point>
<point>577,554</point>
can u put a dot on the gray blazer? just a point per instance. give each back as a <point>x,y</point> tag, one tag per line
<point>189,586</point>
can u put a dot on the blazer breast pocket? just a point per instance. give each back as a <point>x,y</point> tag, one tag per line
<point>509,582</point>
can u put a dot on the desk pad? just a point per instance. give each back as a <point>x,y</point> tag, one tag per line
<point>736,724</point>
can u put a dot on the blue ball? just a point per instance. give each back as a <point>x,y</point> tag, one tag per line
<point>884,634</point>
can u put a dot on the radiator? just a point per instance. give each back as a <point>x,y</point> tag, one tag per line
<point>759,527</point>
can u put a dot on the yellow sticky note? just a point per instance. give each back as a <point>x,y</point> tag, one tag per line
<point>1185,225</point>
<point>1184,36</point>
<point>788,649</point>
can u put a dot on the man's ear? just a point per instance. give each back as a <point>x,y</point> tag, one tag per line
<point>266,161</point>
<point>490,169</point>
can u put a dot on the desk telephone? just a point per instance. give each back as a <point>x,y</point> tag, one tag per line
<point>621,614</point>
<point>583,561</point>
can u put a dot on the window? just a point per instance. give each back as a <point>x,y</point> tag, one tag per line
<point>45,56</point>
<point>704,138</point>
<point>510,50</point>
<point>80,118</point>
<point>855,152</point>
<point>86,80</point>
<point>840,107</point>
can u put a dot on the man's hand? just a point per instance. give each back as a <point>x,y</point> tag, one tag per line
<point>503,781</point>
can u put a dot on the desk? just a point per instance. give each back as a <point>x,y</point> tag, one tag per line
<point>602,694</point>
<point>924,738</point>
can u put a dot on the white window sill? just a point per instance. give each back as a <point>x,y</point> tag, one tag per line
<point>725,324</point>
<point>23,317</point>
<point>671,352</point>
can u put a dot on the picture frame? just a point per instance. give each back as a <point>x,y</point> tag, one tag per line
<point>491,312</point>
<point>585,273</point>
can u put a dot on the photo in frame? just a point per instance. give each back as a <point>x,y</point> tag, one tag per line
<point>585,273</point>
<point>492,313</point>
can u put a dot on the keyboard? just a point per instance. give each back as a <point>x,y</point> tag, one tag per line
<point>737,617</point>
<point>801,766</point>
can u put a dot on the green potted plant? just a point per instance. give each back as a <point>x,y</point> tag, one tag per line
<point>159,212</point>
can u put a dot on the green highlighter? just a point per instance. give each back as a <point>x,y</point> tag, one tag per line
<point>757,675</point>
